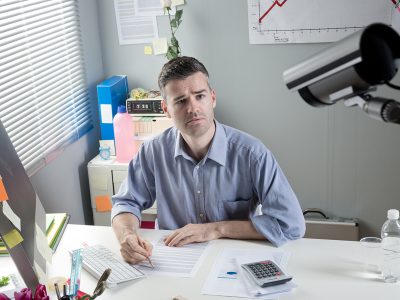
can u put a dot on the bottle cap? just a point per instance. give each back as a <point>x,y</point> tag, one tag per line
<point>121,109</point>
<point>393,214</point>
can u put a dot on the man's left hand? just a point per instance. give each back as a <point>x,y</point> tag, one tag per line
<point>192,233</point>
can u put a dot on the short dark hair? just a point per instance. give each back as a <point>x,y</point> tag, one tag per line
<point>179,68</point>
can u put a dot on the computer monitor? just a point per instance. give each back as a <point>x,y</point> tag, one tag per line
<point>25,204</point>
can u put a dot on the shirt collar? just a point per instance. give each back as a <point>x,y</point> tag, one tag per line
<point>217,150</point>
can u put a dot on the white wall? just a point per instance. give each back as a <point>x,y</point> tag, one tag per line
<point>336,159</point>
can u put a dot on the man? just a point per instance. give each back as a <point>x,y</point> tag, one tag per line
<point>208,178</point>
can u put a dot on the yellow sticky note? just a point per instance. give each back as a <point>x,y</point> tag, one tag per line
<point>177,2</point>
<point>3,192</point>
<point>160,46</point>
<point>148,50</point>
<point>103,203</point>
<point>13,238</point>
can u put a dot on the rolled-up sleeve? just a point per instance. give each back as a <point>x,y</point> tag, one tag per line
<point>137,191</point>
<point>282,218</point>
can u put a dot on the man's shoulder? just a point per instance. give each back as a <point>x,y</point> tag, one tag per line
<point>242,141</point>
<point>163,139</point>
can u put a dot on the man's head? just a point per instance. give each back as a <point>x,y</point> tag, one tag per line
<point>188,97</point>
<point>179,68</point>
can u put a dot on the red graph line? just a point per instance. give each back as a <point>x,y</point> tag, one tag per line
<point>397,4</point>
<point>276,2</point>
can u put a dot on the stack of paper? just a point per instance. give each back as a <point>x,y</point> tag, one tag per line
<point>55,226</point>
<point>227,278</point>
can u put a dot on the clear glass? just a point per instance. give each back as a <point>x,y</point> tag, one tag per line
<point>371,253</point>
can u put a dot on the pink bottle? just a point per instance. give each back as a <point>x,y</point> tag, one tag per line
<point>123,133</point>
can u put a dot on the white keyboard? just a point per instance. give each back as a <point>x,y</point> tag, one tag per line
<point>96,259</point>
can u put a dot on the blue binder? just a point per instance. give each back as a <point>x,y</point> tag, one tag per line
<point>110,93</point>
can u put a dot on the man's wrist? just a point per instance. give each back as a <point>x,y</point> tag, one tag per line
<point>219,229</point>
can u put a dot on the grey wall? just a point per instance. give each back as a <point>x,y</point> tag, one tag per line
<point>63,184</point>
<point>336,159</point>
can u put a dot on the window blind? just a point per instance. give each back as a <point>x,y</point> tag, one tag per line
<point>44,102</point>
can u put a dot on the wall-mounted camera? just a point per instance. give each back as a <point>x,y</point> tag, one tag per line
<point>349,70</point>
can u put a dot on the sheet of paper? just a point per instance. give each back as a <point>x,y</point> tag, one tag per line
<point>151,8</point>
<point>225,276</point>
<point>148,8</point>
<point>177,2</point>
<point>160,46</point>
<point>175,261</point>
<point>9,213</point>
<point>132,28</point>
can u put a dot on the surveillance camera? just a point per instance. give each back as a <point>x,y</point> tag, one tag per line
<point>348,68</point>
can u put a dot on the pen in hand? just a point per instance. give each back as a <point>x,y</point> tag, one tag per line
<point>141,244</point>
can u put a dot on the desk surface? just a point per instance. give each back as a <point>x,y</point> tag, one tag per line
<point>322,269</point>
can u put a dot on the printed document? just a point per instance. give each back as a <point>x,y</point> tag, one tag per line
<point>227,279</point>
<point>175,261</point>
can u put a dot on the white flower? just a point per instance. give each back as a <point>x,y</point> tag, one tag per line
<point>165,3</point>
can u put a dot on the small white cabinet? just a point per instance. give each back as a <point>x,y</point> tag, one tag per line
<point>105,178</point>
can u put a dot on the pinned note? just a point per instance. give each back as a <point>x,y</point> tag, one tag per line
<point>177,2</point>
<point>103,203</point>
<point>160,46</point>
<point>42,244</point>
<point>12,238</point>
<point>148,50</point>
<point>9,213</point>
<point>3,192</point>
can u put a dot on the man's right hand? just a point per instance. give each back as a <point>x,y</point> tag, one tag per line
<point>135,249</point>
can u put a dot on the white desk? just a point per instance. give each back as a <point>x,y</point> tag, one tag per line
<point>322,269</point>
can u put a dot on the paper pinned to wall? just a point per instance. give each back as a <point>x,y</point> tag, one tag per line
<point>177,2</point>
<point>132,28</point>
<point>160,46</point>
<point>11,215</point>
<point>148,50</point>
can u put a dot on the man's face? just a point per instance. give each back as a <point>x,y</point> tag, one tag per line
<point>190,103</point>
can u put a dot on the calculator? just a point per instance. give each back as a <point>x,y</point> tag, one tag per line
<point>266,273</point>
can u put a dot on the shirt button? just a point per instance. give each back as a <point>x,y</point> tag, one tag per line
<point>201,215</point>
<point>198,192</point>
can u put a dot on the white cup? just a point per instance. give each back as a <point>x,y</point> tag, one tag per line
<point>371,248</point>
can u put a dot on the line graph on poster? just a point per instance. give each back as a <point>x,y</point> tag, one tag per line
<point>312,21</point>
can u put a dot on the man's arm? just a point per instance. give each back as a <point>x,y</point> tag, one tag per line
<point>193,233</point>
<point>134,248</point>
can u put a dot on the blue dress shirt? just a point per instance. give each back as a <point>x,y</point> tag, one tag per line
<point>237,174</point>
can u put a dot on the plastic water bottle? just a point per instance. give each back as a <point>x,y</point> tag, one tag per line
<point>391,247</point>
<point>123,133</point>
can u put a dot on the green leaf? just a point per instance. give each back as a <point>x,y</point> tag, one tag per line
<point>4,281</point>
<point>173,23</point>
<point>171,53</point>
<point>174,42</point>
<point>178,15</point>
